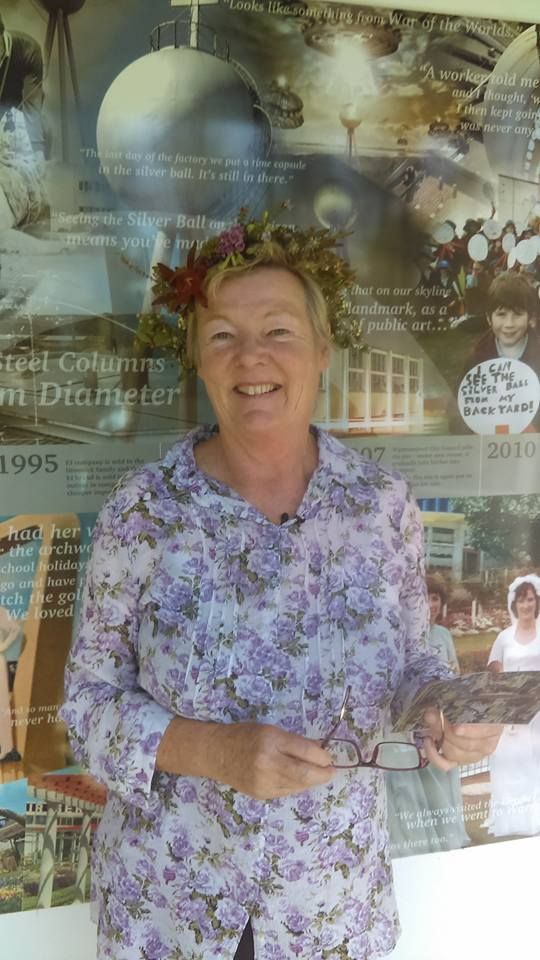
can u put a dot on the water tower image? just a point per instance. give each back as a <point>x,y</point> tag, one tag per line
<point>58,27</point>
<point>177,124</point>
<point>350,118</point>
<point>354,49</point>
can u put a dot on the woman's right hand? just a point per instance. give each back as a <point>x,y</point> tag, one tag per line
<point>265,761</point>
<point>258,759</point>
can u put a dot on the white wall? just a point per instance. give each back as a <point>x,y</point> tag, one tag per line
<point>479,904</point>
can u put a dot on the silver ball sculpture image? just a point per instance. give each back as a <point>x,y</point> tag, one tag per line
<point>166,110</point>
<point>62,6</point>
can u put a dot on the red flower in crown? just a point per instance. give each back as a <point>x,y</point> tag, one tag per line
<point>184,283</point>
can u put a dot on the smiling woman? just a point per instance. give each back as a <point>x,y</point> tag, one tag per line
<point>237,588</point>
<point>515,765</point>
<point>260,360</point>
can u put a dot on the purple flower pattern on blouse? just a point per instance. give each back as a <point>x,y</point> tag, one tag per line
<point>195,604</point>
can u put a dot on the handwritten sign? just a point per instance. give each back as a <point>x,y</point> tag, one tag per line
<point>499,396</point>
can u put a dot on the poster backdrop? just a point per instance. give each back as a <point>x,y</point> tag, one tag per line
<point>130,129</point>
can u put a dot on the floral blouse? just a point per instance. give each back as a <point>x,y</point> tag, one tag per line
<point>196,604</point>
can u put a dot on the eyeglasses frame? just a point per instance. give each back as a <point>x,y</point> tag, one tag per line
<point>422,761</point>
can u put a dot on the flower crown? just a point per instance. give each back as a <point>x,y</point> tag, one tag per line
<point>310,251</point>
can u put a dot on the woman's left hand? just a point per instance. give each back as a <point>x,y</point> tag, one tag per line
<point>458,744</point>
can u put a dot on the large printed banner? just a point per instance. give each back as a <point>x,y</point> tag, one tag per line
<point>130,129</point>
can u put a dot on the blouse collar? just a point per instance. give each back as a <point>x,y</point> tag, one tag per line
<point>187,476</point>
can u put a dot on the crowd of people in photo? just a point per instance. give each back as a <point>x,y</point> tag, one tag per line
<point>466,262</point>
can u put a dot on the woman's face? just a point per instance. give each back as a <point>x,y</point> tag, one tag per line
<point>258,355</point>
<point>435,606</point>
<point>526,605</point>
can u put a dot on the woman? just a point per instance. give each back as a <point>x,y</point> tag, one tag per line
<point>23,198</point>
<point>10,631</point>
<point>426,806</point>
<point>518,647</point>
<point>22,174</point>
<point>515,765</point>
<point>440,638</point>
<point>236,588</point>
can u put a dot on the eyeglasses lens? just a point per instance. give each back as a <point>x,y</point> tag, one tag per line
<point>398,756</point>
<point>343,753</point>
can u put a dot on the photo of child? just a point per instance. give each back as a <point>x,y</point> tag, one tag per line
<point>512,311</point>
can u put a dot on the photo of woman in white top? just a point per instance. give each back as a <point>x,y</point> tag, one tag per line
<point>426,806</point>
<point>10,630</point>
<point>515,764</point>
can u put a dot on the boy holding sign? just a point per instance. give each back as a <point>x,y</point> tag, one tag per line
<point>512,311</point>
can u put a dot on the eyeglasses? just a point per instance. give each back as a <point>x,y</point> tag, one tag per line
<point>386,755</point>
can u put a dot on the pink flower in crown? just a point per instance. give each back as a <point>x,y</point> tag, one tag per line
<point>232,241</point>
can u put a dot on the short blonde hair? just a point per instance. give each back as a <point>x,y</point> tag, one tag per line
<point>273,257</point>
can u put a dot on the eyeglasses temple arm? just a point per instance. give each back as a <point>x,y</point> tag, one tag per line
<point>340,717</point>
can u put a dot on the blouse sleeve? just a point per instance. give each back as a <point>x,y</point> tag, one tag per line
<point>497,650</point>
<point>421,664</point>
<point>115,725</point>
